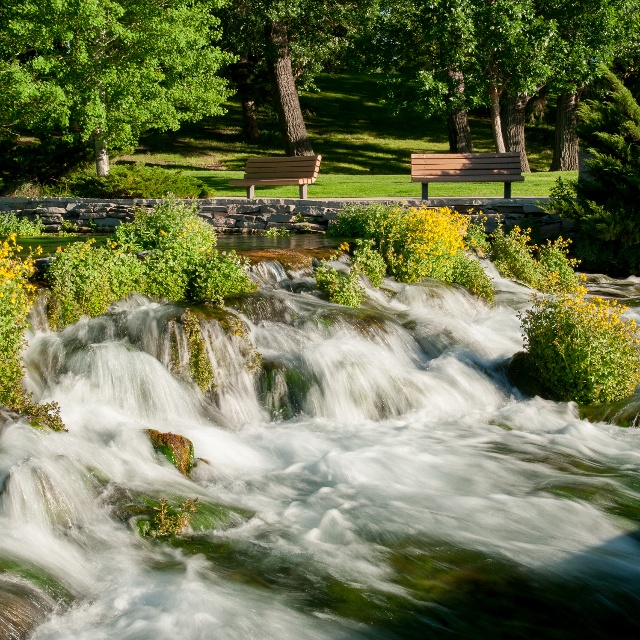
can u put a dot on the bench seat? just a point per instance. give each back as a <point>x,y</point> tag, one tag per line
<point>297,170</point>
<point>466,167</point>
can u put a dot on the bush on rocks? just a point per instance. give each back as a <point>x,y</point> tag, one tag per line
<point>582,349</point>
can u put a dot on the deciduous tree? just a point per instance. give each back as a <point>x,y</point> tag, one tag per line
<point>104,71</point>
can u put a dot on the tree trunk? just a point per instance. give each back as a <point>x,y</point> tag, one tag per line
<point>250,128</point>
<point>243,76</point>
<point>496,123</point>
<point>565,148</point>
<point>294,131</point>
<point>514,118</point>
<point>457,121</point>
<point>102,156</point>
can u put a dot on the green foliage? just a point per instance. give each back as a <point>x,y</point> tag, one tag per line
<point>476,239</point>
<point>178,261</point>
<point>369,261</point>
<point>469,273</point>
<point>133,181</point>
<point>15,292</point>
<point>171,222</point>
<point>607,209</point>
<point>223,274</point>
<point>86,279</point>
<point>547,268</point>
<point>199,364</point>
<point>276,232</point>
<point>10,223</point>
<point>582,349</point>
<point>341,288</point>
<point>416,243</point>
<point>106,70</point>
<point>168,520</point>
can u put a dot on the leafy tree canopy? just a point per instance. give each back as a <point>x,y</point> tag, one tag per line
<point>108,69</point>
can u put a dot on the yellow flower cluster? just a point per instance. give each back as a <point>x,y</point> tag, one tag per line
<point>422,242</point>
<point>583,348</point>
<point>15,292</point>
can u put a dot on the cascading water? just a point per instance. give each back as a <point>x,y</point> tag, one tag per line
<point>373,472</point>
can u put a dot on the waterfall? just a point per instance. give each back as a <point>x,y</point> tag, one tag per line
<point>360,473</point>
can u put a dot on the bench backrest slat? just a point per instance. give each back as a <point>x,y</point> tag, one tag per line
<point>283,167</point>
<point>442,165</point>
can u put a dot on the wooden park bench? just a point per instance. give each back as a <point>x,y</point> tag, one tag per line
<point>300,170</point>
<point>466,167</point>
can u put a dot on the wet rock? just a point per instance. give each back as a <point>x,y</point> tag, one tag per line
<point>283,390</point>
<point>23,607</point>
<point>523,374</point>
<point>177,449</point>
<point>7,416</point>
<point>134,506</point>
<point>624,413</point>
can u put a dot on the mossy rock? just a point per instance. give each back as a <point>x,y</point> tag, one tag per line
<point>16,570</point>
<point>624,413</point>
<point>523,374</point>
<point>177,449</point>
<point>283,390</point>
<point>139,510</point>
<point>23,607</point>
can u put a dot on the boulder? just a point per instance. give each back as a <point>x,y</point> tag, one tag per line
<point>177,449</point>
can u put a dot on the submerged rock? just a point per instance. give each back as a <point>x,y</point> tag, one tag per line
<point>177,449</point>
<point>141,509</point>
<point>624,413</point>
<point>22,607</point>
<point>284,390</point>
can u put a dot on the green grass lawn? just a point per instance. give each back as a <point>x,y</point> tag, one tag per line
<point>332,185</point>
<point>350,126</point>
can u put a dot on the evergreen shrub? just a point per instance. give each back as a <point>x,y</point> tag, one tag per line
<point>605,202</point>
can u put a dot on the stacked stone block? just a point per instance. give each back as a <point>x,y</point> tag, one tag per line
<point>238,215</point>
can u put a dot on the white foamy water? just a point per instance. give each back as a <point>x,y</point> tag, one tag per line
<point>362,433</point>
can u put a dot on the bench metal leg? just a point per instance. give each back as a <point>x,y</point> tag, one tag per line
<point>251,191</point>
<point>303,191</point>
<point>425,190</point>
<point>507,190</point>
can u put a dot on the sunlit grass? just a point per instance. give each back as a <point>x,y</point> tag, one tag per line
<point>349,125</point>
<point>332,185</point>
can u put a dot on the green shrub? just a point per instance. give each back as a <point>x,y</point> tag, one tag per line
<point>86,279</point>
<point>415,243</point>
<point>476,239</point>
<point>369,261</point>
<point>180,262</point>
<point>10,223</point>
<point>356,221</point>
<point>170,223</point>
<point>470,274</point>
<point>547,268</point>
<point>133,181</point>
<point>222,275</point>
<point>341,288</point>
<point>582,349</point>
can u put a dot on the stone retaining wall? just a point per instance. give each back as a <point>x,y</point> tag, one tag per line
<point>239,215</point>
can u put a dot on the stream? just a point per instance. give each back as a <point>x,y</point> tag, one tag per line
<point>364,473</point>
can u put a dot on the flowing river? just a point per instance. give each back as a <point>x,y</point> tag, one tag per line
<point>361,474</point>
